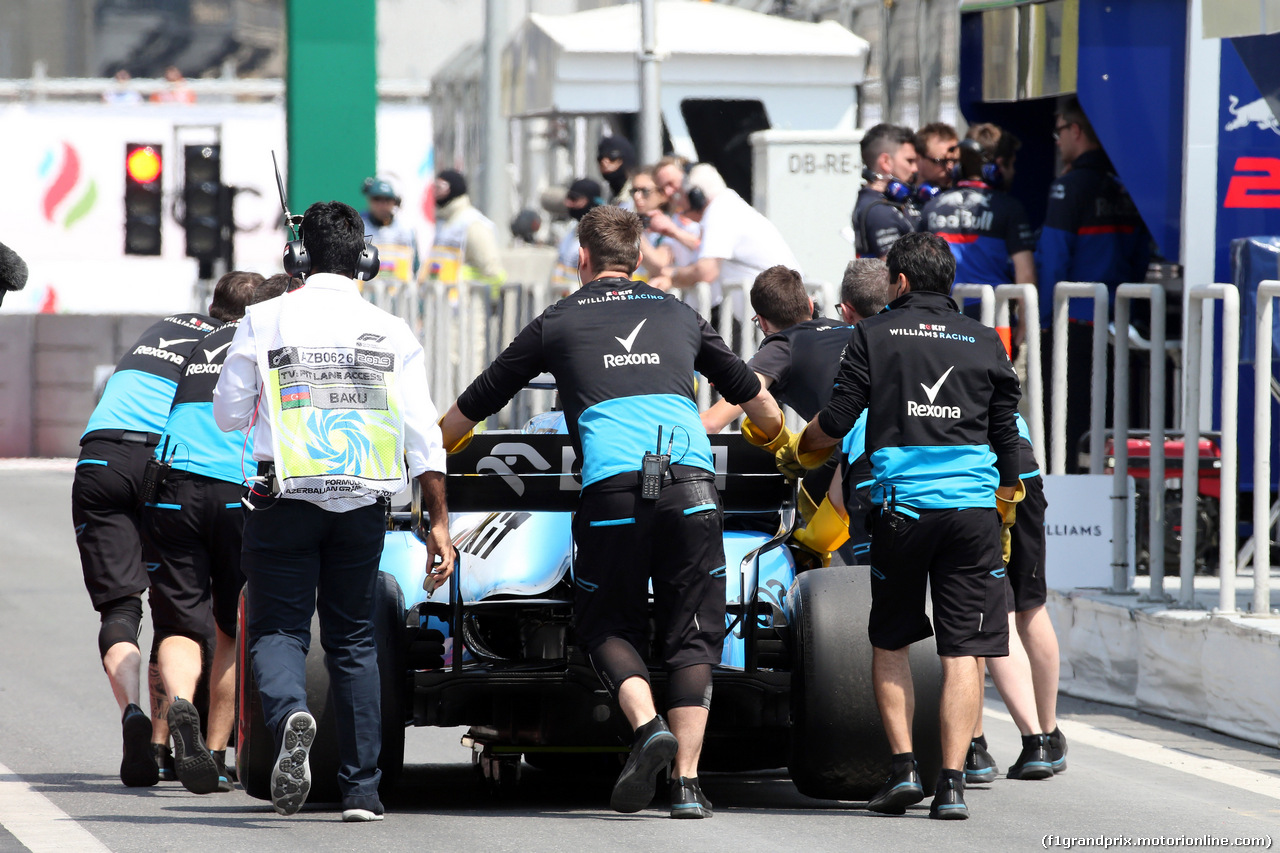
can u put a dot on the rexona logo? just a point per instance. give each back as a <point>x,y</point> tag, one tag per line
<point>930,410</point>
<point>630,357</point>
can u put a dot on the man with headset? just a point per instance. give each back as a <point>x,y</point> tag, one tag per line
<point>195,524</point>
<point>106,496</point>
<point>940,395</point>
<point>624,355</point>
<point>883,212</point>
<point>335,393</point>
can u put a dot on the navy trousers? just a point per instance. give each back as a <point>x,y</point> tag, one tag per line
<point>300,559</point>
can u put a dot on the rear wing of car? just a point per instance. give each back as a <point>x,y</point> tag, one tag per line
<point>509,471</point>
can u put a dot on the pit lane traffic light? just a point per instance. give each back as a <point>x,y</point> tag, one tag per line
<point>204,201</point>
<point>143,202</point>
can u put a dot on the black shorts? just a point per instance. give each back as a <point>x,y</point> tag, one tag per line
<point>104,510</point>
<point>1027,589</point>
<point>957,552</point>
<point>678,542</point>
<point>195,527</point>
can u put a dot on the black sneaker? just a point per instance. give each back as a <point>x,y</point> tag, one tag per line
<point>979,766</point>
<point>291,775</point>
<point>687,799</point>
<point>362,809</point>
<point>1058,750</point>
<point>652,749</point>
<point>900,790</point>
<point>226,775</point>
<point>138,764</point>
<point>164,762</point>
<point>1033,761</point>
<point>948,801</point>
<point>197,771</point>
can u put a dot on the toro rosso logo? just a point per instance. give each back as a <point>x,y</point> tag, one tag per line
<point>630,357</point>
<point>930,410</point>
<point>1255,112</point>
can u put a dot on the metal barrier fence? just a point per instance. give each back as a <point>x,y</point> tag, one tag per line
<point>1196,297</point>
<point>1264,516</point>
<point>1063,293</point>
<point>1029,310</point>
<point>1125,294</point>
<point>986,296</point>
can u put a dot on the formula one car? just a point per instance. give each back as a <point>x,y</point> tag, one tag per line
<point>494,650</point>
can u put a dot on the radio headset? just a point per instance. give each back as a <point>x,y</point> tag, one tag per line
<point>694,196</point>
<point>296,260</point>
<point>895,190</point>
<point>991,175</point>
<point>926,191</point>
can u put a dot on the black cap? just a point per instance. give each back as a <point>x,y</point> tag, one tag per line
<point>457,183</point>
<point>586,188</point>
<point>616,148</point>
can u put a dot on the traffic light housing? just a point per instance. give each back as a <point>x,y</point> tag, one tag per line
<point>204,201</point>
<point>143,200</point>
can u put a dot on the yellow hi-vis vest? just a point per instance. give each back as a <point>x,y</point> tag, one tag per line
<point>447,260</point>
<point>332,392</point>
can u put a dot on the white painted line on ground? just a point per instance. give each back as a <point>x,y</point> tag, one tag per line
<point>1174,759</point>
<point>37,823</point>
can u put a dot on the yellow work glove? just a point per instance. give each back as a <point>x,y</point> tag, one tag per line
<point>460,444</point>
<point>1008,510</point>
<point>753,435</point>
<point>793,463</point>
<point>827,531</point>
<point>805,504</point>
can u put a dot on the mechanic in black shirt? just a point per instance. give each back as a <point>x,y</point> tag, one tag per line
<point>120,437</point>
<point>624,356</point>
<point>797,362</point>
<point>941,396</point>
<point>883,211</point>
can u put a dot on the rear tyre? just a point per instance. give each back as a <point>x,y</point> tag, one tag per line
<point>256,748</point>
<point>838,747</point>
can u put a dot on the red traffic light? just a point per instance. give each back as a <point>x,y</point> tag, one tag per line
<point>143,164</point>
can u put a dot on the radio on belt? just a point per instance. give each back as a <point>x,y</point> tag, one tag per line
<point>653,469</point>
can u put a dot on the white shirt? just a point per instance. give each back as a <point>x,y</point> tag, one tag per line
<point>327,308</point>
<point>745,242</point>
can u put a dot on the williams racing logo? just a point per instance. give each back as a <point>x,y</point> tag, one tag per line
<point>611,360</point>
<point>930,409</point>
<point>931,330</point>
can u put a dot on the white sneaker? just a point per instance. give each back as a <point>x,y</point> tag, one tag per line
<point>291,775</point>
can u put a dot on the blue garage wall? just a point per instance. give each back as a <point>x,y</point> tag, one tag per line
<point>1130,83</point>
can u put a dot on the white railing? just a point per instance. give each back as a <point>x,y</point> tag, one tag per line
<point>1191,441</point>
<point>1029,316</point>
<point>1063,292</point>
<point>1125,294</point>
<point>1264,516</point>
<point>986,296</point>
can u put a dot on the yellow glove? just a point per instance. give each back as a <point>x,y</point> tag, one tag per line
<point>805,504</point>
<point>1008,510</point>
<point>793,463</point>
<point>753,435</point>
<point>827,531</point>
<point>460,444</point>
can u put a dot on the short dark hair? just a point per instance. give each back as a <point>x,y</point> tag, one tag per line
<point>881,139</point>
<point>1070,111</point>
<point>274,286</point>
<point>611,236</point>
<point>778,295</point>
<point>232,293</point>
<point>333,234</point>
<point>938,129</point>
<point>865,287</point>
<point>925,259</point>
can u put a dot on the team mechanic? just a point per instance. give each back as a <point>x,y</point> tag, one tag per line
<point>797,362</point>
<point>941,395</point>
<point>335,391</point>
<point>120,437</point>
<point>624,356</point>
<point>195,525</point>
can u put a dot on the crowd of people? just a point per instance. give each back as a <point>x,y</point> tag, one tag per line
<point>938,492</point>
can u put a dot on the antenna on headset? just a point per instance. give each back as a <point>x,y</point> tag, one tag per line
<point>292,222</point>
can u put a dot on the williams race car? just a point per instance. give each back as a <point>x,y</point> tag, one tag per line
<point>494,650</point>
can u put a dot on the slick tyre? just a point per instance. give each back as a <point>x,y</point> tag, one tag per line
<point>256,752</point>
<point>838,746</point>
